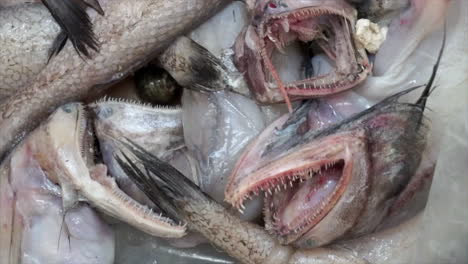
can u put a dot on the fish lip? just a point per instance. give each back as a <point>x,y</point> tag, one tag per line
<point>237,192</point>
<point>307,220</point>
<point>320,156</point>
<point>333,82</point>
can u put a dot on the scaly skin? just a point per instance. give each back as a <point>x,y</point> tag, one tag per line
<point>247,242</point>
<point>131,34</point>
<point>26,34</point>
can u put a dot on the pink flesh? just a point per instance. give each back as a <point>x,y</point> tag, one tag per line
<point>307,197</point>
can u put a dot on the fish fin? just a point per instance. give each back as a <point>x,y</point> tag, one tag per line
<point>429,89</point>
<point>72,17</point>
<point>162,183</point>
<point>58,45</point>
<point>207,68</point>
<point>94,4</point>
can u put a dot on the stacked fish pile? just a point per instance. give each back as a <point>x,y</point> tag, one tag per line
<point>276,131</point>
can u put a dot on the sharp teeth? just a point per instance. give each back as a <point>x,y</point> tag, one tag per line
<point>285,25</point>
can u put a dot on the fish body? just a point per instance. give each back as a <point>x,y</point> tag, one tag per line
<point>26,35</point>
<point>130,35</point>
<point>247,242</point>
<point>338,181</point>
<point>39,225</point>
<point>157,129</point>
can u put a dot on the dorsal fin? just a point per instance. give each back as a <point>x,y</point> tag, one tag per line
<point>428,89</point>
<point>75,23</point>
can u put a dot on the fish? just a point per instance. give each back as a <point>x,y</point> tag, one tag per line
<point>74,22</point>
<point>195,67</point>
<point>37,226</point>
<point>277,25</point>
<point>248,242</point>
<point>64,145</point>
<point>130,35</point>
<point>337,181</point>
<point>154,85</point>
<point>156,128</point>
<point>217,128</point>
<point>26,36</point>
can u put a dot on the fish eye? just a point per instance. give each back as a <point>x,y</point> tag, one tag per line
<point>67,108</point>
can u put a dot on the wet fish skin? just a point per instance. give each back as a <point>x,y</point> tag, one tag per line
<point>26,35</point>
<point>74,21</point>
<point>130,35</point>
<point>194,67</point>
<point>247,242</point>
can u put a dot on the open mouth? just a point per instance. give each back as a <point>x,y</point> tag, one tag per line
<point>303,203</point>
<point>305,33</point>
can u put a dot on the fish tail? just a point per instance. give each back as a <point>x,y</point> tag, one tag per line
<point>161,182</point>
<point>75,24</point>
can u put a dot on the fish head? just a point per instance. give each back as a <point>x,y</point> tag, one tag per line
<point>325,26</point>
<point>322,185</point>
<point>158,129</point>
<point>68,135</point>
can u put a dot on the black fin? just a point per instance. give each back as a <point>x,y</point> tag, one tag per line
<point>72,17</point>
<point>207,69</point>
<point>58,45</point>
<point>428,90</point>
<point>161,182</point>
<point>94,4</point>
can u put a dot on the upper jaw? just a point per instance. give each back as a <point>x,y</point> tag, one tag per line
<point>61,153</point>
<point>304,163</point>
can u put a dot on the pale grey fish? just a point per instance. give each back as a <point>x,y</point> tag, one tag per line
<point>389,135</point>
<point>250,243</point>
<point>157,129</point>
<point>26,35</point>
<point>63,145</point>
<point>36,226</point>
<point>130,35</point>
<point>217,128</point>
<point>339,181</point>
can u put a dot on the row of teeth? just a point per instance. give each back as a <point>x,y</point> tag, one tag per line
<point>275,225</point>
<point>306,12</point>
<point>108,99</point>
<point>145,210</point>
<point>285,181</point>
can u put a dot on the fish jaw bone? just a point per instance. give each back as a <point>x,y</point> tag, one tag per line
<point>93,184</point>
<point>276,25</point>
<point>289,217</point>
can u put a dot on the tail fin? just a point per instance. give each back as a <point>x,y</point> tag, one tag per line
<point>75,24</point>
<point>162,183</point>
